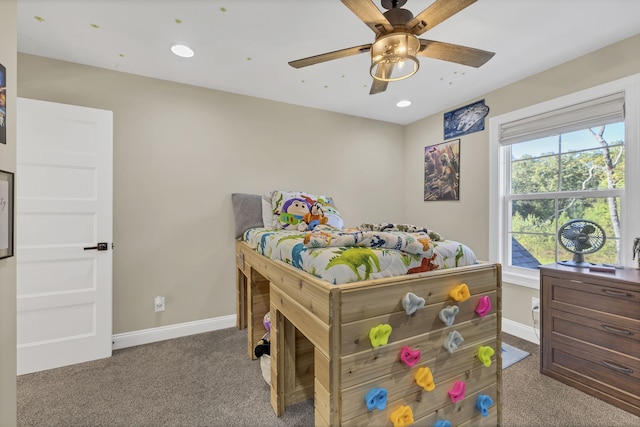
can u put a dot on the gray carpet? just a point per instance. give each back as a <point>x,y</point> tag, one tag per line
<point>208,380</point>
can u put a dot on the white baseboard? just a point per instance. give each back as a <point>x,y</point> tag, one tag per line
<point>147,336</point>
<point>521,330</point>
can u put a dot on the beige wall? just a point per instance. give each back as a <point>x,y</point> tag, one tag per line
<point>8,53</point>
<point>468,219</point>
<point>179,153</point>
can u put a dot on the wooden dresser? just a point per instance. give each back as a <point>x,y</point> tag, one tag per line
<point>591,332</point>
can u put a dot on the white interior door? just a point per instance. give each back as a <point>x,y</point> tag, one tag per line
<point>64,193</point>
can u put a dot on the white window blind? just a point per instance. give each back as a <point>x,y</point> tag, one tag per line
<point>597,112</point>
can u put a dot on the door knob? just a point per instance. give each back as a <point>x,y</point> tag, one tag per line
<point>103,246</point>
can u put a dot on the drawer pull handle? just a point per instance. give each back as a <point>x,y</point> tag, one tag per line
<point>617,367</point>
<point>616,330</point>
<point>617,293</point>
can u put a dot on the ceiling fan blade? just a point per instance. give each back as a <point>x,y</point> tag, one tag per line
<point>383,70</point>
<point>342,53</point>
<point>370,15</point>
<point>378,86</point>
<point>454,53</point>
<point>435,14</point>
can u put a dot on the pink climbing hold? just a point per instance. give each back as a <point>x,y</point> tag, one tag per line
<point>484,306</point>
<point>409,357</point>
<point>457,391</point>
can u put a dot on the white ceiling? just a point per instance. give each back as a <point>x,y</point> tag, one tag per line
<point>243,46</point>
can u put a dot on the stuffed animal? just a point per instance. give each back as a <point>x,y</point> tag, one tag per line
<point>313,218</point>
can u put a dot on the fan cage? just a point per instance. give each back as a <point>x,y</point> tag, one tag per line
<point>580,237</point>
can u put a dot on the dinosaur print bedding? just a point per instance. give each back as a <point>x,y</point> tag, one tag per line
<point>370,251</point>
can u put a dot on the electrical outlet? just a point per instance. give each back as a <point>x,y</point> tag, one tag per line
<point>158,303</point>
<point>535,304</point>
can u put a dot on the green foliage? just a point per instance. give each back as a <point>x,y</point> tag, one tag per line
<point>534,222</point>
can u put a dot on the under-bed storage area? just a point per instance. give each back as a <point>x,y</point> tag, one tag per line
<point>355,349</point>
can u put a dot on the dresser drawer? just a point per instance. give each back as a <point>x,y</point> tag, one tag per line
<point>610,332</point>
<point>576,295</point>
<point>591,331</point>
<point>611,372</point>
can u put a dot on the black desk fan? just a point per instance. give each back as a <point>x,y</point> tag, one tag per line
<point>580,236</point>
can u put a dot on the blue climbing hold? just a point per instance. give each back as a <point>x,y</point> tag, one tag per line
<point>483,403</point>
<point>376,399</point>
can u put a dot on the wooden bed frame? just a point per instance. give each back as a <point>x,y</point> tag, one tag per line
<point>320,345</point>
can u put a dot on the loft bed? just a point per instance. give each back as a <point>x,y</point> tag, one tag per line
<point>330,339</point>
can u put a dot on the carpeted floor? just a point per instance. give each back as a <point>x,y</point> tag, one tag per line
<point>531,399</point>
<point>208,380</point>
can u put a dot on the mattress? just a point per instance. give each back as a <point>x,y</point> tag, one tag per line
<point>352,255</point>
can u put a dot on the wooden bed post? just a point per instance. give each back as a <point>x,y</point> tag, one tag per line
<point>499,342</point>
<point>327,395</point>
<point>277,362</point>
<point>241,293</point>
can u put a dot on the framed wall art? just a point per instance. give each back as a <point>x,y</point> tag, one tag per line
<point>3,104</point>
<point>442,171</point>
<point>6,214</point>
<point>464,120</point>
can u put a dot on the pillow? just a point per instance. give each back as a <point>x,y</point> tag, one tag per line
<point>289,208</point>
<point>247,211</point>
<point>267,211</point>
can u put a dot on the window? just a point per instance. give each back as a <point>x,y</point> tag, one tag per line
<point>570,158</point>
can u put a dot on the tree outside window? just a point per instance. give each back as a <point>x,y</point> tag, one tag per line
<point>578,174</point>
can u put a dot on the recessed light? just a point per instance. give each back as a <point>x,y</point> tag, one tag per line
<point>403,103</point>
<point>182,50</point>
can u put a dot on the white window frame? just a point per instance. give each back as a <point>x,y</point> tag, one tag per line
<point>499,167</point>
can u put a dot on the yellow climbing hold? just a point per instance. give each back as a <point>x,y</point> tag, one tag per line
<point>460,293</point>
<point>401,417</point>
<point>424,378</point>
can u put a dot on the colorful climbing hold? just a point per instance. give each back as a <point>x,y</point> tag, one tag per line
<point>448,314</point>
<point>409,356</point>
<point>460,293</point>
<point>401,417</point>
<point>483,403</point>
<point>442,423</point>
<point>452,341</point>
<point>424,378</point>
<point>379,335</point>
<point>412,302</point>
<point>484,306</point>
<point>376,399</point>
<point>484,354</point>
<point>457,391</point>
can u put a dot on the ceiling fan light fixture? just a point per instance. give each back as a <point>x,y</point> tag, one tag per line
<point>393,57</point>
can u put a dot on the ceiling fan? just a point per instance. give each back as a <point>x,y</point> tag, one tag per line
<point>394,51</point>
